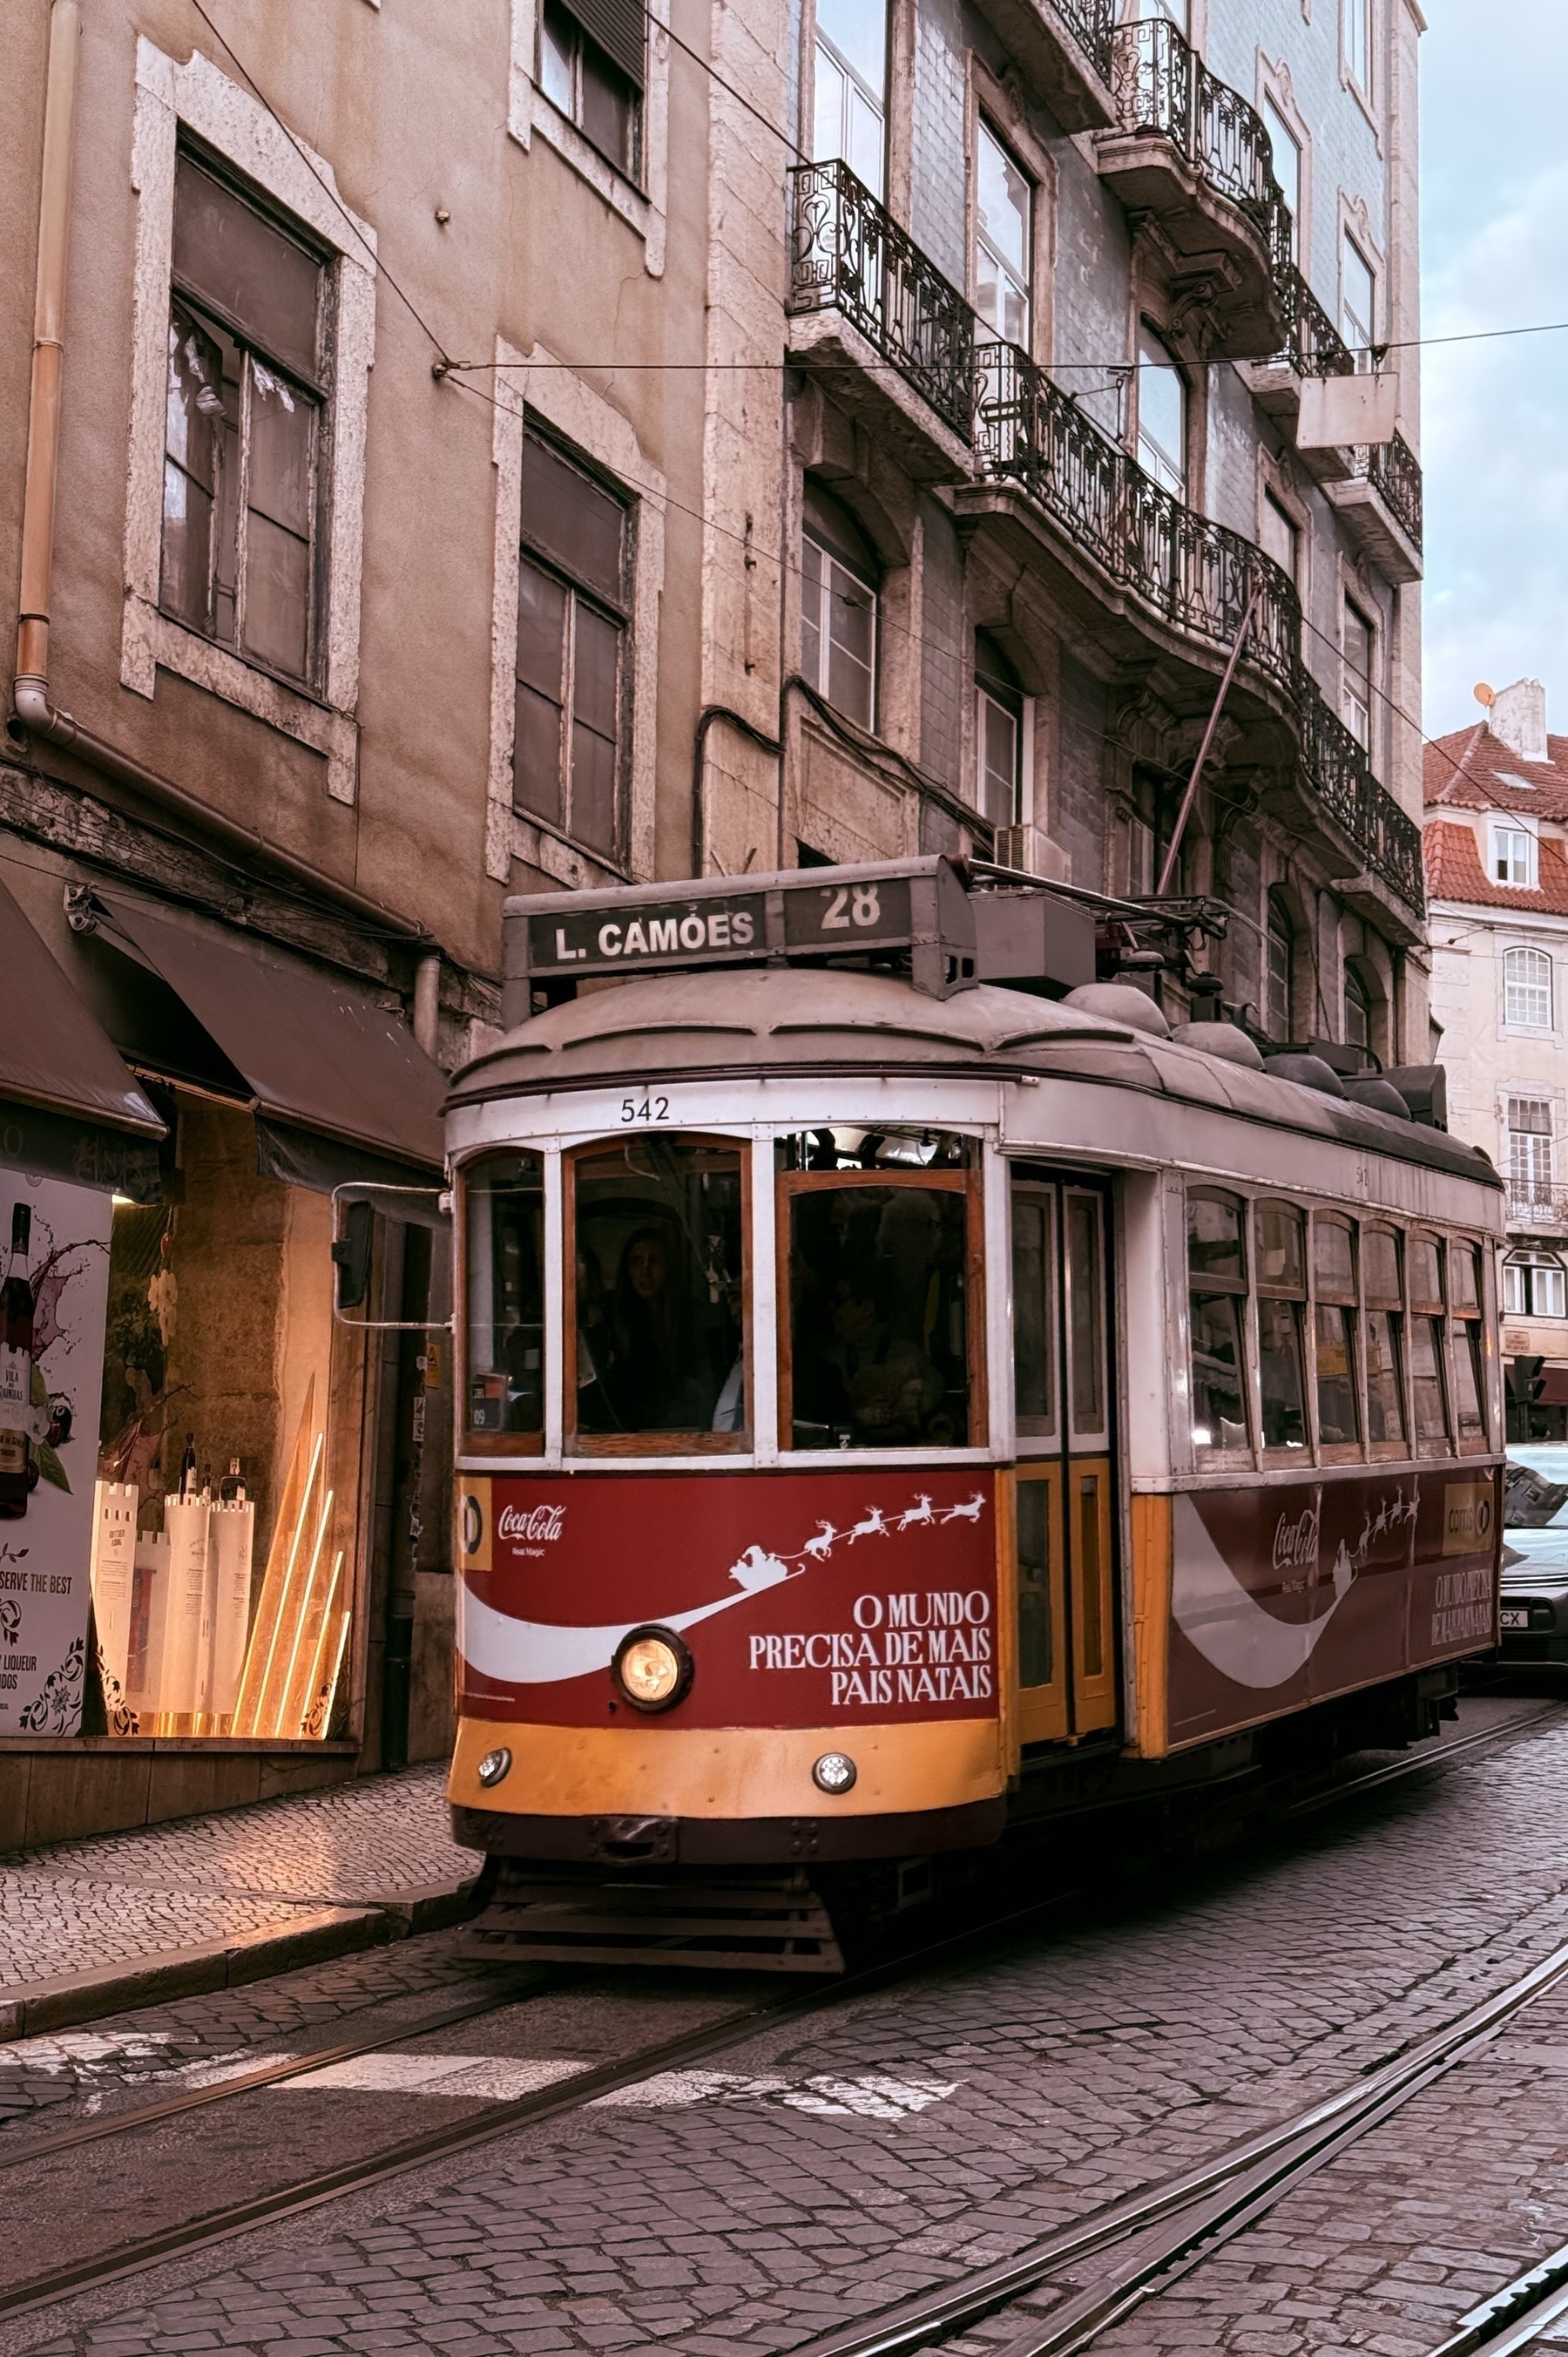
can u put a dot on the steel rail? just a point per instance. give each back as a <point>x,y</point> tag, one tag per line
<point>1513,2316</point>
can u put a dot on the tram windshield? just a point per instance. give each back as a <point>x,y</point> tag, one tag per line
<point>880,1338</point>
<point>657,1269</point>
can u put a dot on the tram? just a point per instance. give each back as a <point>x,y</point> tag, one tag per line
<point>896,1404</point>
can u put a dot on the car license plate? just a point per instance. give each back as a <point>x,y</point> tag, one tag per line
<point>1516,1616</point>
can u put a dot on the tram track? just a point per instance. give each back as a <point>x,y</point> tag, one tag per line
<point>1215,2200</point>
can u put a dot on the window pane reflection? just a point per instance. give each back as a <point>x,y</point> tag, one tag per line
<point>1334,1335</point>
<point>1036,1650</point>
<point>660,1270</point>
<point>1218,1408</point>
<point>504,1221</point>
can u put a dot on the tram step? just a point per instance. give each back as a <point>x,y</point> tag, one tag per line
<point>760,1924</point>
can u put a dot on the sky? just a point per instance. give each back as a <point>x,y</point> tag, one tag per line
<point>1494,162</point>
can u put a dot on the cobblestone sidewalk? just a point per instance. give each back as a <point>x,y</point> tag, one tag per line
<point>120,1897</point>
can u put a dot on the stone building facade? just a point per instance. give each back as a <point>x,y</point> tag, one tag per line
<point>566,442</point>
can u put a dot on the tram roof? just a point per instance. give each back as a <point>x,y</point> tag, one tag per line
<point>761,1022</point>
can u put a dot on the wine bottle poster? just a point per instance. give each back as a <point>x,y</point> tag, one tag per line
<point>54,1293</point>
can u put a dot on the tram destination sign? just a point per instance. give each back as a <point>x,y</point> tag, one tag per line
<point>804,914</point>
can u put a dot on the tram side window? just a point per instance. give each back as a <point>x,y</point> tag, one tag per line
<point>1280,1259</point>
<point>1383,1340</point>
<point>1428,1389</point>
<point>1034,1313</point>
<point>877,1353</point>
<point>1464,1302</point>
<point>1334,1331</point>
<point>657,1293</point>
<point>503,1197</point>
<point>1217,1303</point>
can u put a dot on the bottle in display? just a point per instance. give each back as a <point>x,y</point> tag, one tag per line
<point>188,1468</point>
<point>231,1490</point>
<point>16,1370</point>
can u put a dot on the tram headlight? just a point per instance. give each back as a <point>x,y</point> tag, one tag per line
<point>493,1766</point>
<point>653,1668</point>
<point>835,1771</point>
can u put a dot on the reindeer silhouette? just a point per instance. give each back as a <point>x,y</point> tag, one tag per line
<point>874,1527</point>
<point>920,1512</point>
<point>970,1512</point>
<point>822,1546</point>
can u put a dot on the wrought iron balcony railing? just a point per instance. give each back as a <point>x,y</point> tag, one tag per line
<point>847,254</point>
<point>1092,24</point>
<point>1537,1203</point>
<point>1192,573</point>
<point>1394,471</point>
<point>1316,346</point>
<point>1160,86</point>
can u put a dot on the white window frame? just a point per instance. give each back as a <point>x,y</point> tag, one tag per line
<point>1512,831</point>
<point>584,418</point>
<point>1359,74</point>
<point>1547,985</point>
<point>1521,1265</point>
<point>645,208</point>
<point>239,130</point>
<point>986,129</point>
<point>1353,599</point>
<point>873,590</point>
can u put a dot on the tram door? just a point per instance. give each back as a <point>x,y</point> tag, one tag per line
<point>1064,1491</point>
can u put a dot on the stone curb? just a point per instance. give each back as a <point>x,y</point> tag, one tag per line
<point>32,2006</point>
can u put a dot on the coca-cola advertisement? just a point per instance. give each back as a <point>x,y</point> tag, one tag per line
<point>54,1291</point>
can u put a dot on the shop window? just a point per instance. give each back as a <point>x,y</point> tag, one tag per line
<point>592,65</point>
<point>1216,1304</point>
<point>839,581</point>
<point>1359,640</point>
<point>1357,297</point>
<point>1527,987</point>
<point>1334,1334</point>
<point>881,1342</point>
<point>572,637</point>
<point>1003,240</point>
<point>998,734</point>
<point>1357,1011</point>
<point>657,1321</point>
<point>1429,1397</point>
<point>1279,970</point>
<point>1383,1340</point>
<point>245,427</point>
<point>1467,1345</point>
<point>850,72</point>
<point>1161,414</point>
<point>1279,1246</point>
<point>1513,857</point>
<point>1286,151</point>
<point>503,1231</point>
<point>1533,1286</point>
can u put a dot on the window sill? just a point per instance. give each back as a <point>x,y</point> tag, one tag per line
<point>153,641</point>
<point>541,845</point>
<point>622,194</point>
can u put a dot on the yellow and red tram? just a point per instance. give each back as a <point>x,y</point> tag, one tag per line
<point>880,1387</point>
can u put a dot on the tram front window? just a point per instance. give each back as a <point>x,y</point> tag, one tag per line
<point>879,1344</point>
<point>503,1198</point>
<point>1216,1302</point>
<point>656,1264</point>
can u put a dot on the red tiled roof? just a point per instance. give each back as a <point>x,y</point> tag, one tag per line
<point>1469,770</point>
<point>1454,872</point>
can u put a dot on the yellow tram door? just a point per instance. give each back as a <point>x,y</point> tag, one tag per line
<point>1064,1492</point>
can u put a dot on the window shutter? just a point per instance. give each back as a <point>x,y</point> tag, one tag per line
<point>620,28</point>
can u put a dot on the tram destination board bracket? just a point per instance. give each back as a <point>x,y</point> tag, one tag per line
<point>914,908</point>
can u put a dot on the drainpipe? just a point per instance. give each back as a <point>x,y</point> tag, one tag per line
<point>427,1001</point>
<point>31,690</point>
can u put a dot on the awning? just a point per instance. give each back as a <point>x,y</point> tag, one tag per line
<point>312,1049</point>
<point>68,1107</point>
<point>1553,1390</point>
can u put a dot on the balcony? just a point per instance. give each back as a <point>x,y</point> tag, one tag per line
<point>1380,505</point>
<point>1188,151</point>
<point>872,315</point>
<point>1190,579</point>
<point>1065,48</point>
<point>1538,1207</point>
<point>1313,347</point>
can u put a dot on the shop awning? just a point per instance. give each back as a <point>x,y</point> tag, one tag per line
<point>312,1051</point>
<point>1553,1390</point>
<point>68,1107</point>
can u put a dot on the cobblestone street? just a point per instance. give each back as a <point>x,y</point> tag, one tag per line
<point>823,2172</point>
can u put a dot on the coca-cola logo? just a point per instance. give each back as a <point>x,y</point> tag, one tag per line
<point>1295,1543</point>
<point>531,1524</point>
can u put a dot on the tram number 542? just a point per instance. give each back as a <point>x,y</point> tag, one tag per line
<point>852,904</point>
<point>641,1109</point>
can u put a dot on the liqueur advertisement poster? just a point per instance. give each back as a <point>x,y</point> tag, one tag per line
<point>45,1582</point>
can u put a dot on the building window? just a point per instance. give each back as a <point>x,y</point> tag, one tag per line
<point>1527,987</point>
<point>572,641</point>
<point>1168,12</point>
<point>1358,25</point>
<point>1279,959</point>
<point>851,63</point>
<point>1530,1152</point>
<point>1280,537</point>
<point>999,734</point>
<point>1533,1286</point>
<point>1286,150</point>
<point>592,65</point>
<point>1161,414</point>
<point>1513,857</point>
<point>839,580</point>
<point>1358,1012</point>
<point>1358,301</point>
<point>1004,237</point>
<point>244,432</point>
<point>1359,640</point>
